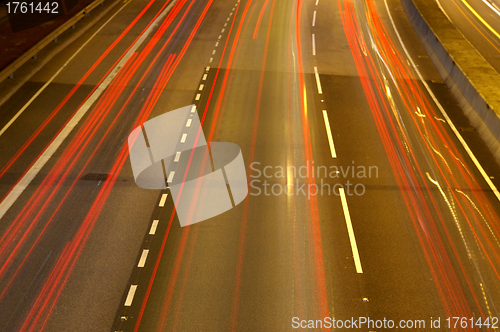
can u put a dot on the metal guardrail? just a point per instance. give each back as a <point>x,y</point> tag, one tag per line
<point>32,52</point>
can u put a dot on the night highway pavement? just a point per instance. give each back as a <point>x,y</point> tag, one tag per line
<point>363,201</point>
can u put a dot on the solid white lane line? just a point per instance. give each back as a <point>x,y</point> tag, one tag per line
<point>188,123</point>
<point>57,73</point>
<point>163,200</point>
<point>73,122</point>
<point>314,44</point>
<point>318,83</point>
<point>130,295</point>
<point>354,246</point>
<point>177,156</point>
<point>443,112</point>
<point>144,256</point>
<point>152,230</point>
<point>329,134</point>
<point>170,176</point>
<point>183,138</point>
<point>314,19</point>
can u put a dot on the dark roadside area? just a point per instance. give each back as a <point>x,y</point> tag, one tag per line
<point>13,45</point>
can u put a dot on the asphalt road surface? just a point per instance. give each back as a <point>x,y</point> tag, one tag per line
<point>371,198</point>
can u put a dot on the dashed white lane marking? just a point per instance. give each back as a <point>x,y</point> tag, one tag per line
<point>225,24</point>
<point>227,20</point>
<point>207,69</point>
<point>163,200</point>
<point>318,83</point>
<point>204,77</point>
<point>314,19</point>
<point>201,87</point>
<point>211,59</point>
<point>73,122</point>
<point>198,96</point>
<point>222,31</point>
<point>314,44</point>
<point>216,44</point>
<point>317,2</point>
<point>130,295</point>
<point>152,230</point>
<point>188,123</point>
<point>170,176</point>
<point>193,108</point>
<point>220,35</point>
<point>183,138</point>
<point>144,256</point>
<point>329,134</point>
<point>177,156</point>
<point>213,52</point>
<point>354,246</point>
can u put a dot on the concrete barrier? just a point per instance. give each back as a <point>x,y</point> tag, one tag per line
<point>471,79</point>
<point>32,52</point>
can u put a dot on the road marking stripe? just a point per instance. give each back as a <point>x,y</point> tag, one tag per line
<point>130,295</point>
<point>201,87</point>
<point>329,134</point>
<point>177,156</point>
<point>197,96</point>
<point>211,59</point>
<point>207,69</point>
<point>193,108</point>
<point>188,123</point>
<point>347,216</point>
<point>204,77</point>
<point>314,19</point>
<point>152,230</point>
<point>170,176</point>
<point>216,44</point>
<point>314,44</point>
<point>318,83</point>
<point>163,200</point>
<point>317,2</point>
<point>213,52</point>
<point>144,256</point>
<point>183,138</point>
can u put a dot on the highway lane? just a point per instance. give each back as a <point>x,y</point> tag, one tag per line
<point>275,256</point>
<point>281,270</point>
<point>479,22</point>
<point>73,275</point>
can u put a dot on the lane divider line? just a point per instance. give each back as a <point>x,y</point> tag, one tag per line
<point>329,134</point>
<point>144,256</point>
<point>130,295</point>
<point>350,230</point>
<point>154,226</point>
<point>318,83</point>
<point>314,19</point>
<point>163,198</point>
<point>314,44</point>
